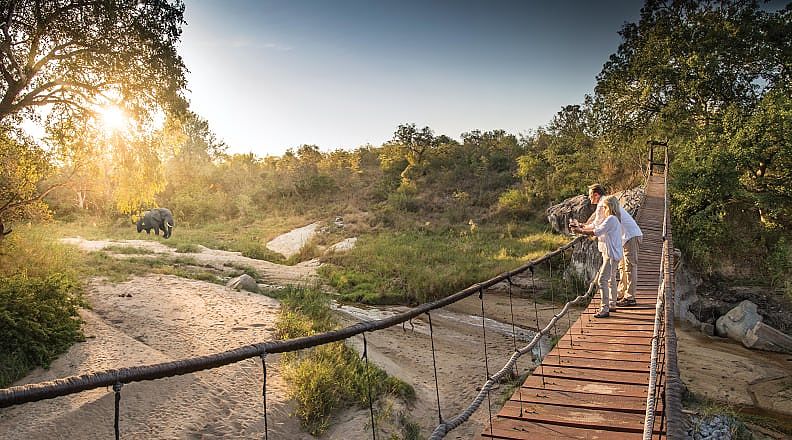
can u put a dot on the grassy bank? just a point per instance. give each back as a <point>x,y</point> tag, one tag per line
<point>325,379</point>
<point>419,265</point>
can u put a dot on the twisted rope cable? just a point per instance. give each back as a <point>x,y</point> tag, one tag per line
<point>445,427</point>
<point>649,415</point>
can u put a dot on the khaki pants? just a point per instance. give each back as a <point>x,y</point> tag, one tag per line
<point>628,269</point>
<point>606,279</point>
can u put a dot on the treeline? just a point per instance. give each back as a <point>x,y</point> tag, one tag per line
<point>430,177</point>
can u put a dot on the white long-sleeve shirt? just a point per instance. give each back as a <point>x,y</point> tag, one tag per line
<point>608,233</point>
<point>629,228</point>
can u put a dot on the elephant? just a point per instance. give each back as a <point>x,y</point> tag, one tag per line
<point>157,218</point>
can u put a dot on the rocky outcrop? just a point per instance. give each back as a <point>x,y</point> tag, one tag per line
<point>744,324</point>
<point>578,208</point>
<point>243,282</point>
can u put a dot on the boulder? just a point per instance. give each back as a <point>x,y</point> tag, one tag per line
<point>342,246</point>
<point>744,324</point>
<point>243,282</point>
<point>737,321</point>
<point>764,337</point>
<point>578,208</point>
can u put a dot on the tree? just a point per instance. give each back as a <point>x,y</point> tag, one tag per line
<point>22,165</point>
<point>714,78</point>
<point>69,57</point>
<point>415,143</point>
<point>76,54</point>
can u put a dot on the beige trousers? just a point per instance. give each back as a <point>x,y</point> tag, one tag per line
<point>606,280</point>
<point>628,269</point>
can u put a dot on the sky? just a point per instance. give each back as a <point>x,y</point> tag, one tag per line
<point>272,75</point>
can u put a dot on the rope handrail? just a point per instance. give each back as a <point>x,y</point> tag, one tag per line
<point>664,321</point>
<point>74,384</point>
<point>444,428</point>
<point>673,389</point>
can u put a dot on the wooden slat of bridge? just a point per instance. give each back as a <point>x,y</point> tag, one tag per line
<point>594,383</point>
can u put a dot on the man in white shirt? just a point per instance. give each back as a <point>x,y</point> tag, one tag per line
<point>631,239</point>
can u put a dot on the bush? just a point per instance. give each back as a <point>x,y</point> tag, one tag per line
<point>329,377</point>
<point>38,321</point>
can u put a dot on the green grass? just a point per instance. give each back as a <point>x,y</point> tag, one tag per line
<point>419,265</point>
<point>188,248</point>
<point>325,379</point>
<point>126,250</point>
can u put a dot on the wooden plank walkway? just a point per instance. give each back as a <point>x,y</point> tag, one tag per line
<point>594,383</point>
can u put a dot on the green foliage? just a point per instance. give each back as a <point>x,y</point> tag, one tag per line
<point>23,164</point>
<point>38,321</point>
<point>415,266</point>
<point>127,250</point>
<point>327,378</point>
<point>711,77</point>
<point>187,248</point>
<point>779,265</point>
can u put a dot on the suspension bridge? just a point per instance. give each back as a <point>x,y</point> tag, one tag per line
<point>605,378</point>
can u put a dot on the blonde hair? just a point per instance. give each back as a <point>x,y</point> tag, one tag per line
<point>612,206</point>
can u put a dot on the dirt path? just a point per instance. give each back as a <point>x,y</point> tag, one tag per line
<point>157,318</point>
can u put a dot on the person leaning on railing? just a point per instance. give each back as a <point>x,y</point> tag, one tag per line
<point>609,234</point>
<point>631,241</point>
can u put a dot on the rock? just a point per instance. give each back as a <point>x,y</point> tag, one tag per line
<point>578,208</point>
<point>290,243</point>
<point>243,282</point>
<point>342,246</point>
<point>736,323</point>
<point>764,337</point>
<point>708,329</point>
<point>744,324</point>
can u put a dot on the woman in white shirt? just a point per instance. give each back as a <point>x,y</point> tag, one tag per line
<point>609,234</point>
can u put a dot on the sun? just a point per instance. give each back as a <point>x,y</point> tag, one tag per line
<point>113,118</point>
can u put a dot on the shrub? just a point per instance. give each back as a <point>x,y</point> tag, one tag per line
<point>38,321</point>
<point>329,377</point>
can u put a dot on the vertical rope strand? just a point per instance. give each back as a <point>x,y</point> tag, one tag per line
<point>514,343</point>
<point>486,358</point>
<point>552,296</point>
<point>368,385</point>
<point>580,284</point>
<point>434,363</point>
<point>116,426</point>
<point>263,357</point>
<point>566,297</point>
<point>536,312</point>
